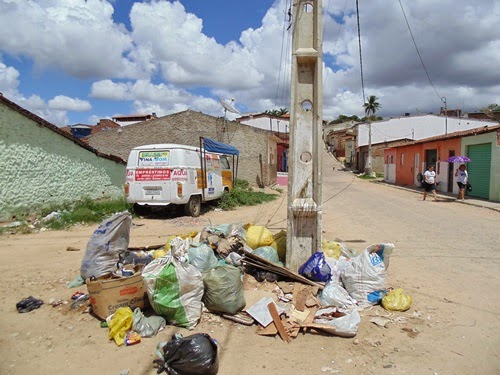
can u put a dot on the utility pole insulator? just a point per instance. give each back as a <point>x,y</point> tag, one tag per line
<point>304,176</point>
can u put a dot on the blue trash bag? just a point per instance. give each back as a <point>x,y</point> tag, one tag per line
<point>316,268</point>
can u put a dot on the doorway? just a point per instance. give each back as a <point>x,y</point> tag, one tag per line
<point>450,173</point>
<point>430,158</point>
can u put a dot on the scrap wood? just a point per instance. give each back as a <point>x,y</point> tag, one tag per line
<point>259,262</point>
<point>286,287</point>
<point>322,327</point>
<point>300,316</point>
<point>147,247</point>
<point>312,301</point>
<point>270,330</point>
<point>302,295</point>
<point>277,322</point>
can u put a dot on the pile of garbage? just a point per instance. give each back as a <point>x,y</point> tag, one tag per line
<point>203,271</point>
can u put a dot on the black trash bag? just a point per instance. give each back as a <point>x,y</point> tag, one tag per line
<point>192,355</point>
<point>28,304</point>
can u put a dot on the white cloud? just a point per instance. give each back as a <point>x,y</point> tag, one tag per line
<point>9,79</point>
<point>459,41</point>
<point>148,97</point>
<point>75,36</point>
<point>65,103</point>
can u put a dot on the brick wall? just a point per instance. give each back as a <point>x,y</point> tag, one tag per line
<point>186,128</point>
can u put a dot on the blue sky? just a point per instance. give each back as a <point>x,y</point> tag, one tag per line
<point>75,61</point>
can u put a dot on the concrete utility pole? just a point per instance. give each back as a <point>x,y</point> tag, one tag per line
<point>304,176</point>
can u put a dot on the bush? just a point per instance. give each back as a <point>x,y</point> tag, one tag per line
<point>243,195</point>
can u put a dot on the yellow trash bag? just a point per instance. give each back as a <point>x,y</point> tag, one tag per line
<point>395,300</point>
<point>159,253</point>
<point>120,324</point>
<point>280,241</point>
<point>331,249</point>
<point>258,236</point>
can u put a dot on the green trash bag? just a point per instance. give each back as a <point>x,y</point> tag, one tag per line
<point>223,290</point>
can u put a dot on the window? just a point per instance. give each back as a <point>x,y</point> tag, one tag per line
<point>402,159</point>
<point>225,162</point>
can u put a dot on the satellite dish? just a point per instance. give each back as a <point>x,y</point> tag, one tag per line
<point>228,105</point>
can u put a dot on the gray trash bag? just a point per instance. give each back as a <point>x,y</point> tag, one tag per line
<point>105,245</point>
<point>147,327</point>
<point>224,290</point>
<point>202,257</point>
<point>269,253</point>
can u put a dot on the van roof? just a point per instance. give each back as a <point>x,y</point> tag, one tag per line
<point>165,146</point>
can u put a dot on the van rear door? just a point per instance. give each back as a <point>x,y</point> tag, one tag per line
<point>152,177</point>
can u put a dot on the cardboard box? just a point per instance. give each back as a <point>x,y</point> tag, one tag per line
<point>108,294</point>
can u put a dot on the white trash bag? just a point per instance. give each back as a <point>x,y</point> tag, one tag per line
<point>365,276</point>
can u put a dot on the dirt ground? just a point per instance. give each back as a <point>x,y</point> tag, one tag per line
<point>446,258</point>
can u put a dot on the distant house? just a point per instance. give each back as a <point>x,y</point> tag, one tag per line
<point>404,162</point>
<point>40,164</point>
<point>407,128</point>
<point>132,119</point>
<point>258,147</point>
<point>82,130</point>
<point>341,141</point>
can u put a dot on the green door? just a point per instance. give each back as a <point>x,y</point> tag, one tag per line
<point>479,170</point>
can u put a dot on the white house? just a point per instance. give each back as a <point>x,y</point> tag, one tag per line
<point>416,127</point>
<point>266,122</point>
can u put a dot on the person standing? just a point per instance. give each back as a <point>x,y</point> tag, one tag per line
<point>462,181</point>
<point>430,182</point>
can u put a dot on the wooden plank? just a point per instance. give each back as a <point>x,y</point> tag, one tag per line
<point>270,330</point>
<point>258,261</point>
<point>277,322</point>
<point>300,303</point>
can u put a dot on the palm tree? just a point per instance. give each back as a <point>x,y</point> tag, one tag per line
<point>277,112</point>
<point>371,106</point>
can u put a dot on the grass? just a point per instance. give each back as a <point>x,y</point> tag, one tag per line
<point>84,211</point>
<point>90,211</point>
<point>378,175</point>
<point>243,195</point>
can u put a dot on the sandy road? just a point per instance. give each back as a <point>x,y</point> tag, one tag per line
<point>446,257</point>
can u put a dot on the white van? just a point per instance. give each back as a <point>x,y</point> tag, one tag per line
<point>163,174</point>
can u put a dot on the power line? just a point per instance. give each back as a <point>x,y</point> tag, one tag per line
<point>360,56</point>
<point>281,55</point>
<point>418,52</point>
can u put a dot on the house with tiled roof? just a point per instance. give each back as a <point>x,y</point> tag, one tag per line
<point>406,161</point>
<point>40,164</point>
<point>388,131</point>
<point>258,147</point>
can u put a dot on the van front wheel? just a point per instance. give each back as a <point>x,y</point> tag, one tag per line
<point>193,207</point>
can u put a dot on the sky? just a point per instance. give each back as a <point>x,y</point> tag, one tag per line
<point>77,61</point>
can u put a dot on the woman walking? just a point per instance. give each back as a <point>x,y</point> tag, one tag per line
<point>430,182</point>
<point>462,181</point>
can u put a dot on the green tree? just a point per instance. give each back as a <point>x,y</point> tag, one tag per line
<point>344,118</point>
<point>492,111</point>
<point>277,112</point>
<point>371,106</point>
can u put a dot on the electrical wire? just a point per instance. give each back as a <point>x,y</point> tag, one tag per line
<point>360,55</point>
<point>418,52</point>
<point>281,55</point>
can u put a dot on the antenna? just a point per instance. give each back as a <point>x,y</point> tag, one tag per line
<point>228,106</point>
